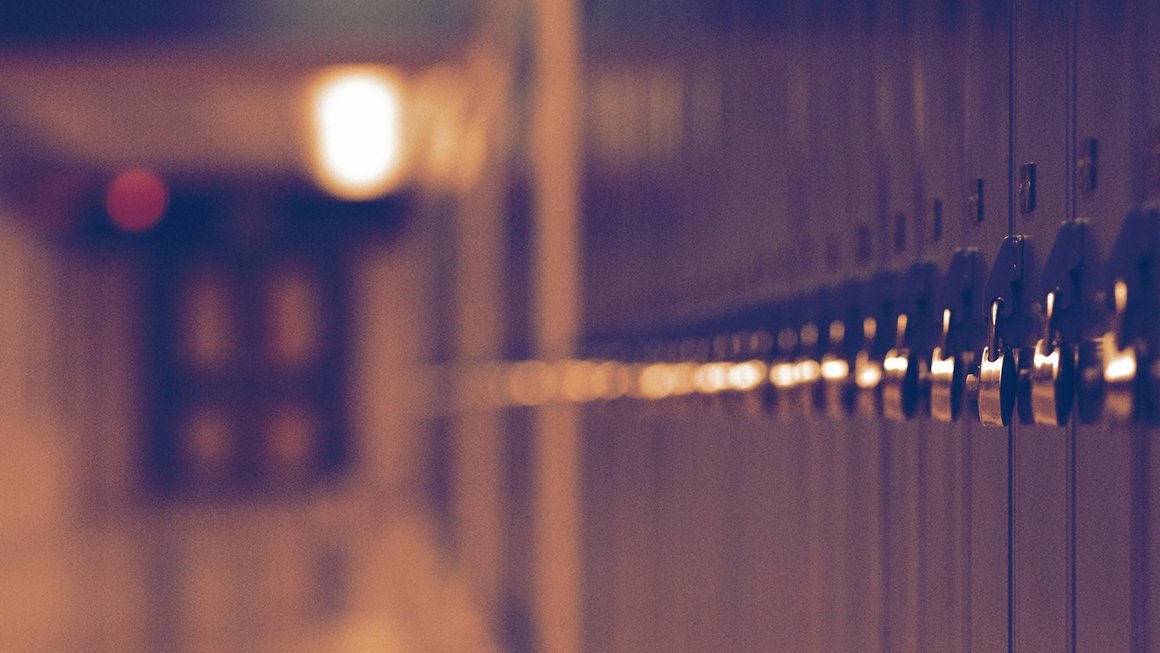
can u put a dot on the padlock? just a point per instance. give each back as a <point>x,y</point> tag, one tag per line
<point>1052,374</point>
<point>868,374</point>
<point>837,382</point>
<point>900,377</point>
<point>946,381</point>
<point>1052,366</point>
<point>956,343</point>
<point>994,389</point>
<point>1124,357</point>
<point>1120,363</point>
<point>996,381</point>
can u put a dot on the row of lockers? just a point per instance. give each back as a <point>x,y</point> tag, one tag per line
<point>1025,341</point>
<point>834,152</point>
<point>723,175</point>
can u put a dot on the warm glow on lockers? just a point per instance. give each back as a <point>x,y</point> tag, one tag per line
<point>356,123</point>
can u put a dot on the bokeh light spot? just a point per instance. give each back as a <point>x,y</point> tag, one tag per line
<point>357,128</point>
<point>136,200</point>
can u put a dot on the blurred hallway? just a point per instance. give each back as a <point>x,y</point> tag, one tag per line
<point>551,326</point>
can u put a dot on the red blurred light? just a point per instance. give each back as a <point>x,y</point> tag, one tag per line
<point>136,200</point>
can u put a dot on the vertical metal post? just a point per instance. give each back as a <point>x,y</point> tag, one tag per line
<point>555,182</point>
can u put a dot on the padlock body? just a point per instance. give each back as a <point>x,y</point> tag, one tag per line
<point>1120,369</point>
<point>996,388</point>
<point>1052,384</point>
<point>900,384</point>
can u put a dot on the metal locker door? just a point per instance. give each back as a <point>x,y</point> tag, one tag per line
<point>1107,100</point>
<point>1146,454</point>
<point>767,555</point>
<point>898,205</point>
<point>939,230</point>
<point>827,515</point>
<point>986,106</point>
<point>850,446</point>
<point>1041,586</point>
<point>599,500</point>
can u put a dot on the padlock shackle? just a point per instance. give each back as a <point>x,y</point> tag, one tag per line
<point>900,331</point>
<point>946,329</point>
<point>992,329</point>
<point>1050,335</point>
<point>1119,310</point>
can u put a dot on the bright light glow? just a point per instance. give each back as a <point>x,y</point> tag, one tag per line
<point>605,380</point>
<point>1122,367</point>
<point>835,369</point>
<point>712,378</point>
<point>684,379</point>
<point>867,374</point>
<point>940,367</point>
<point>746,376</point>
<point>625,385</point>
<point>894,363</point>
<point>806,371</point>
<point>781,375</point>
<point>657,381</point>
<point>357,130</point>
<point>1041,360</point>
